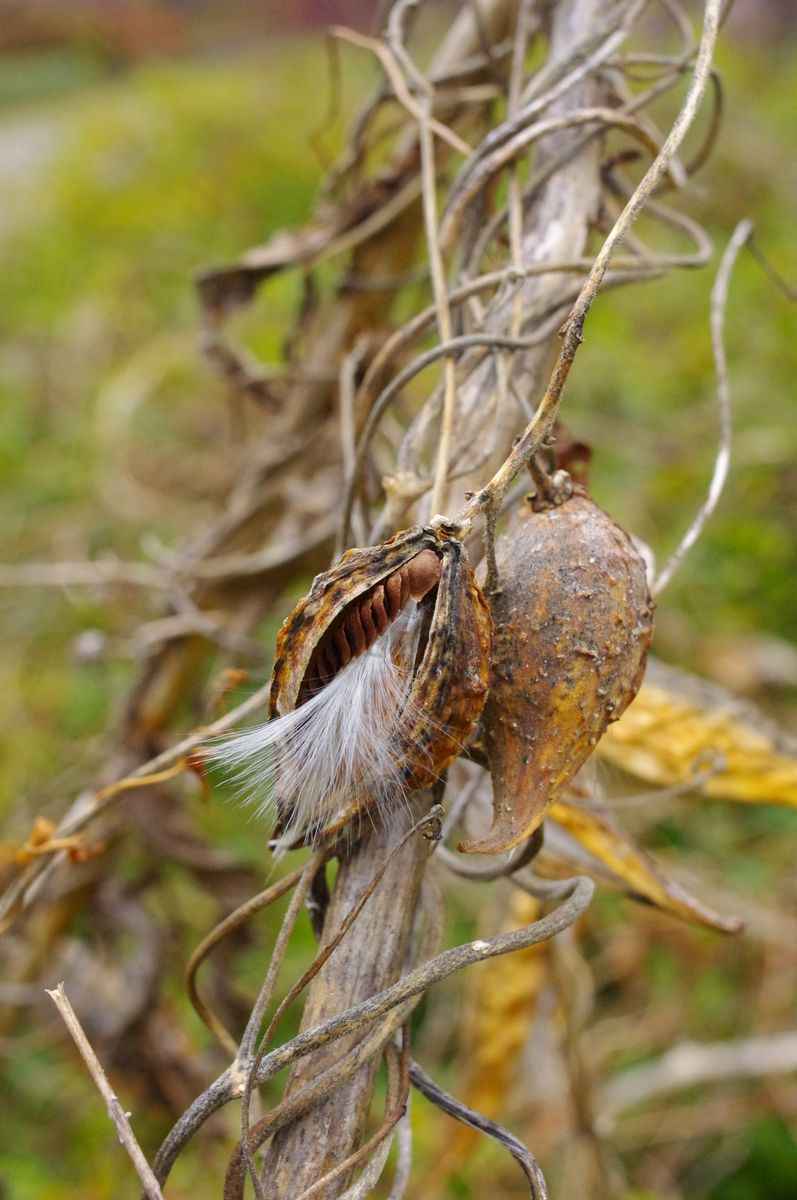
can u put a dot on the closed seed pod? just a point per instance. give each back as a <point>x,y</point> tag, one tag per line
<point>573,620</point>
<point>379,678</point>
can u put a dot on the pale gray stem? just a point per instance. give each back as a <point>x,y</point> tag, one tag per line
<point>692,1063</point>
<point>115,1111</point>
<point>360,967</point>
<point>719,300</point>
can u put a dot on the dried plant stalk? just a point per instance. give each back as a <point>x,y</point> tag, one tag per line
<point>497,310</point>
<point>375,957</point>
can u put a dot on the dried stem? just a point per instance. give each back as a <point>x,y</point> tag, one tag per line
<point>117,1114</point>
<point>719,303</point>
<point>381,929</point>
<point>461,1112</point>
<point>576,895</point>
<point>398,1082</point>
<point>385,923</point>
<point>579,894</point>
<point>428,826</point>
<point>234,921</point>
<point>540,427</point>
<point>434,255</point>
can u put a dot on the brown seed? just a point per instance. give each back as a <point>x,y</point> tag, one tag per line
<point>366,618</point>
<point>352,604</point>
<point>572,624</point>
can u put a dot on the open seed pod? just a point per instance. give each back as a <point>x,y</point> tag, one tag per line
<point>415,602</point>
<point>572,624</point>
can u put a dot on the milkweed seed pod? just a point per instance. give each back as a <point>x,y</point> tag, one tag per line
<point>573,620</point>
<point>379,678</point>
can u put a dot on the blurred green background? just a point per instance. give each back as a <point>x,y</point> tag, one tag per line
<point>139,143</point>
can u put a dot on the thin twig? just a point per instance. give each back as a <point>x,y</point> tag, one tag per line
<point>523,29</point>
<point>89,807</point>
<point>231,922</point>
<point>115,1111</point>
<point>468,1116</point>
<point>556,78</point>
<point>272,559</point>
<point>348,431</point>
<point>224,1089</point>
<point>719,301</point>
<point>770,270</point>
<point>446,350</point>
<point>246,1057</point>
<point>541,425</point>
<point>461,200</point>
<point>403,96</point>
<point>444,326</point>
<point>302,888</point>
<point>513,862</point>
<point>422,113</point>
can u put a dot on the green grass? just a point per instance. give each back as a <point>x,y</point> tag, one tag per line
<point>107,411</point>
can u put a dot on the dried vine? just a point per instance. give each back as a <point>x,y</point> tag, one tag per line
<point>500,278</point>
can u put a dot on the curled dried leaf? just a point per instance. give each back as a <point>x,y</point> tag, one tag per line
<point>618,858</point>
<point>572,617</point>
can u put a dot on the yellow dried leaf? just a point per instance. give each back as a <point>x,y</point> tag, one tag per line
<point>500,1003</point>
<point>665,737</point>
<point>633,867</point>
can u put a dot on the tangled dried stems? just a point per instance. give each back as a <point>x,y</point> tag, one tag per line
<point>507,269</point>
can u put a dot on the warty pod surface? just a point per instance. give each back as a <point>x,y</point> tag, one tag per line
<point>573,620</point>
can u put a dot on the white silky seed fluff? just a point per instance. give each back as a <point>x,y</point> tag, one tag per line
<point>339,746</point>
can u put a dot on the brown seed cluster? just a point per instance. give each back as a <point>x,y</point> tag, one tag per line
<point>367,618</point>
<point>354,603</point>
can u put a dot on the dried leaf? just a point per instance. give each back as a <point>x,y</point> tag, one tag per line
<point>631,865</point>
<point>665,737</point>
